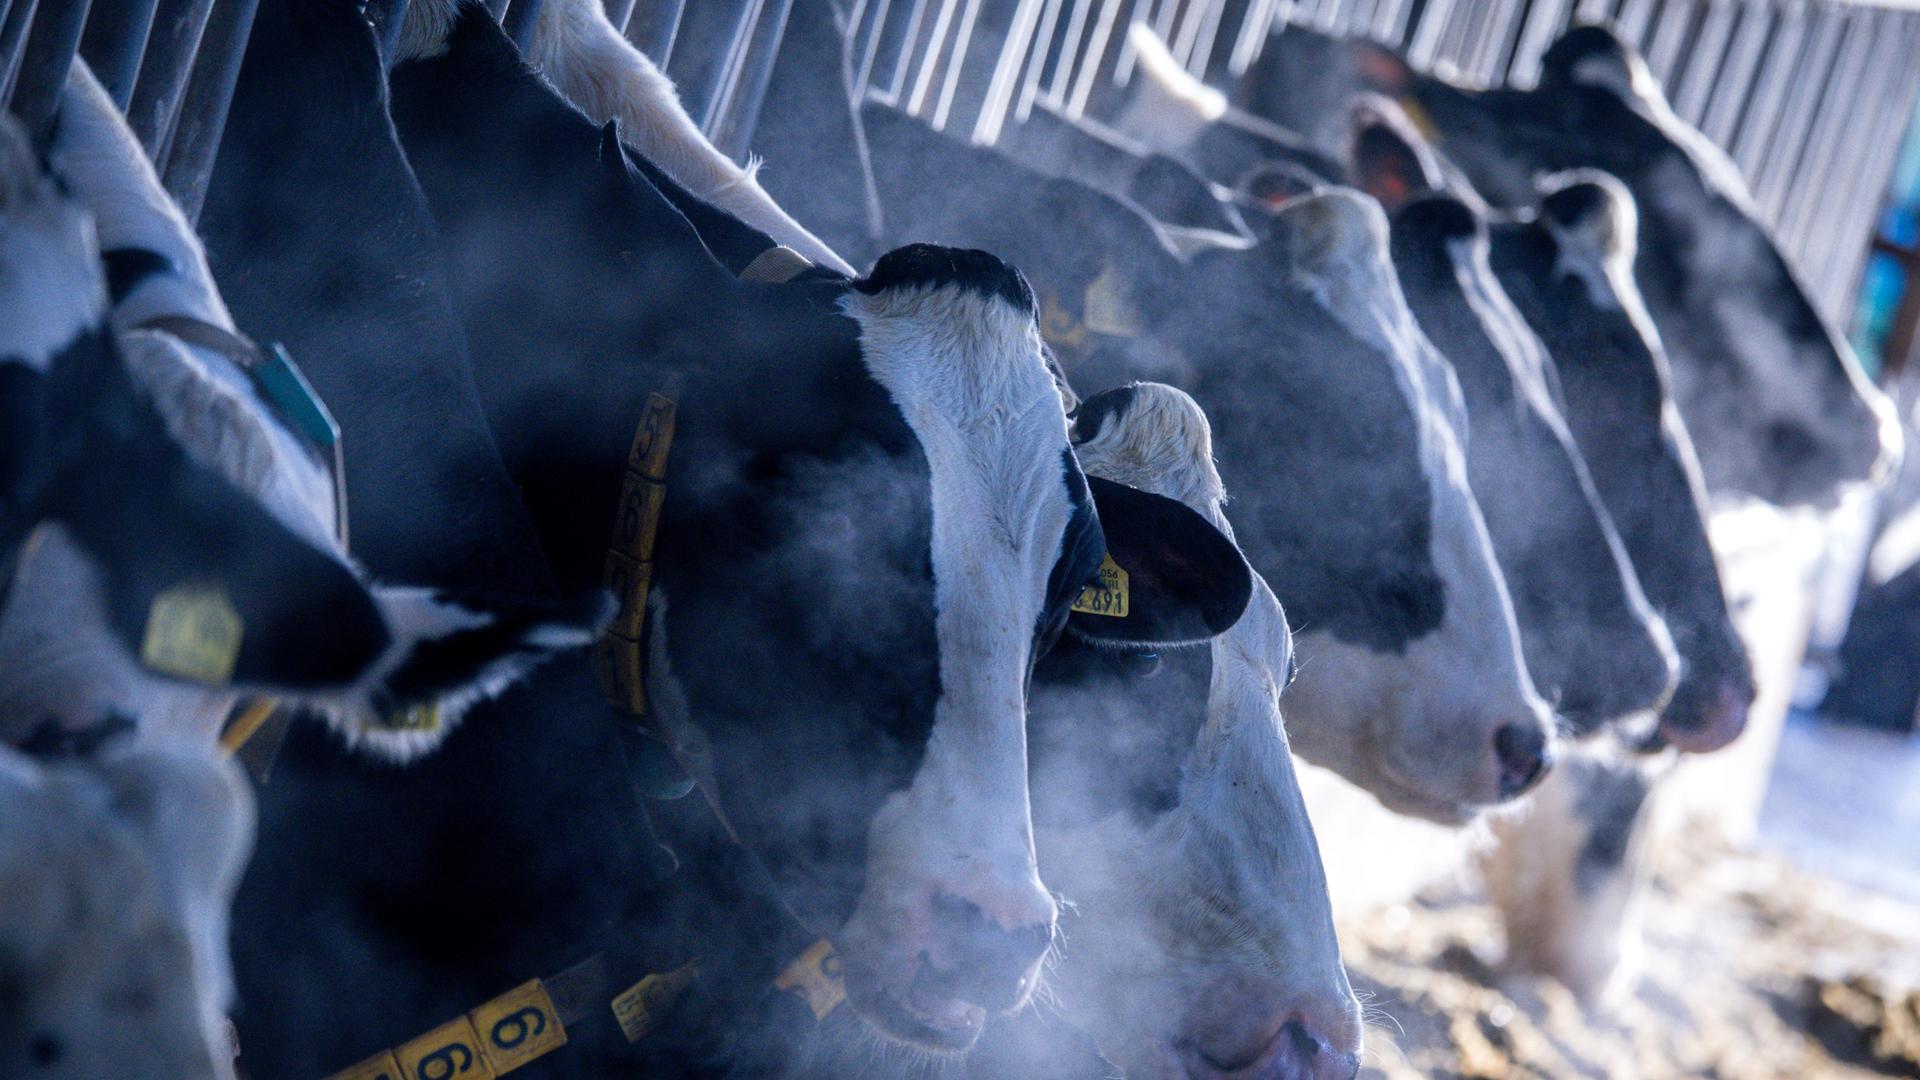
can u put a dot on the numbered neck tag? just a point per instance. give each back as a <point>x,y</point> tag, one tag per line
<point>193,632</point>
<point>518,1027</point>
<point>815,976</point>
<point>641,1007</point>
<point>1108,595</point>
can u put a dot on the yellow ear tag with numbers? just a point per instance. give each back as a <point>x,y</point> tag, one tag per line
<point>193,632</point>
<point>1106,307</point>
<point>815,975</point>
<point>1108,595</point>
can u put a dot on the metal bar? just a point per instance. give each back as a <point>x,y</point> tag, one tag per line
<point>956,63</point>
<point>704,54</point>
<point>1069,45</point>
<point>739,113</point>
<point>655,28</point>
<point>1494,33</point>
<point>1594,11</point>
<point>1544,23</point>
<point>620,13</point>
<point>1811,81</point>
<point>1709,52</point>
<point>1045,45</point>
<point>203,115</point>
<point>1859,206</point>
<point>115,36</point>
<point>1016,49</point>
<point>903,52</point>
<point>520,21</point>
<point>1253,33</point>
<point>1434,19</point>
<point>1734,85</point>
<point>930,58</point>
<point>1633,21</point>
<point>864,76</point>
<point>1828,213</point>
<point>13,44</point>
<point>1761,118</point>
<point>177,27</point>
<point>1090,62</point>
<point>51,46</point>
<point>1669,40</point>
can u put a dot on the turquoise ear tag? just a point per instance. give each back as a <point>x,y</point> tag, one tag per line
<point>289,392</point>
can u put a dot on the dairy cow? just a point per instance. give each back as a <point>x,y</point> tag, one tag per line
<point>1776,402</point>
<point>869,483</point>
<point>1356,508</point>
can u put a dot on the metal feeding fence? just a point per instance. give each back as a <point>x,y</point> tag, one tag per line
<point>1809,96</point>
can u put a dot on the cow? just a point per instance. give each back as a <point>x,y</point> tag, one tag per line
<point>1778,405</point>
<point>1201,943</point>
<point>602,74</point>
<point>115,877</point>
<point>1568,272</point>
<point>185,353</point>
<point>1359,517</point>
<point>870,483</point>
<point>1593,645</point>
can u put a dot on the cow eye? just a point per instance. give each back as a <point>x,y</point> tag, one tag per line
<point>1138,663</point>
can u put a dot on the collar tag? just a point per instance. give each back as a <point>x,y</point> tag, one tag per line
<point>641,1007</point>
<point>815,976</point>
<point>1109,595</point>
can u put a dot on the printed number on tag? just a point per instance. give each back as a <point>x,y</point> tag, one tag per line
<point>816,976</point>
<point>1108,595</point>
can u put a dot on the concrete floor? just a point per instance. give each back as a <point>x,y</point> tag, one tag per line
<point>1845,802</point>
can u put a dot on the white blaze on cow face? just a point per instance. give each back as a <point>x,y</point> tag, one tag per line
<point>964,367</point>
<point>115,880</point>
<point>1453,723</point>
<point>1202,935</point>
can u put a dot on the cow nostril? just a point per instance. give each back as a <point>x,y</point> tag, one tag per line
<point>1523,754</point>
<point>990,963</point>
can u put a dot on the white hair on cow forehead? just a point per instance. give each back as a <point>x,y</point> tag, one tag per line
<point>51,287</point>
<point>1162,444</point>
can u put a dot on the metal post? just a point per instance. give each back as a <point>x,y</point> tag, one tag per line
<point>703,53</point>
<point>1813,182</point>
<point>114,39</point>
<point>1810,82</point>
<point>177,27</point>
<point>1668,43</point>
<point>520,21</point>
<point>51,46</point>
<point>619,13</point>
<point>739,108</point>
<point>1544,23</point>
<point>203,113</point>
<point>1762,116</point>
<point>13,43</point>
<point>655,28</point>
<point>1734,87</point>
<point>1709,53</point>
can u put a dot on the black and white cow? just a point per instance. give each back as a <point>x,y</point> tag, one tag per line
<point>1594,646</point>
<point>1340,449</point>
<point>115,878</point>
<point>61,664</point>
<point>1568,272</point>
<point>1166,809</point>
<point>1776,401</point>
<point>874,525</point>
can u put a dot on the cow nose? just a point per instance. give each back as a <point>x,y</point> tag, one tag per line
<point>1717,722</point>
<point>1523,754</point>
<point>986,963</point>
<point>1296,1052</point>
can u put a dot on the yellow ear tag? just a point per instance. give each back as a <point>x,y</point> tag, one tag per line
<point>448,1051</point>
<point>518,1027</point>
<point>193,632</point>
<point>641,1006</point>
<point>1108,596</point>
<point>815,975</point>
<point>1421,119</point>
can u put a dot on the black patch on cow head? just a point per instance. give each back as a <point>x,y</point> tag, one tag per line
<point>127,268</point>
<point>932,265</point>
<point>1103,408</point>
<point>1589,55</point>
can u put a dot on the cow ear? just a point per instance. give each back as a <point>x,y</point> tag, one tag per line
<point>1170,577</point>
<point>1592,56</point>
<point>1389,161</point>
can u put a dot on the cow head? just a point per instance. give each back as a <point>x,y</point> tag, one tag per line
<point>1592,644</point>
<point>854,597</point>
<point>141,417</point>
<point>1569,274</point>
<point>115,880</point>
<point>1777,403</point>
<point>1200,941</point>
<point>1412,683</point>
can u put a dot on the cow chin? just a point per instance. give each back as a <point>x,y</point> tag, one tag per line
<point>901,1012</point>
